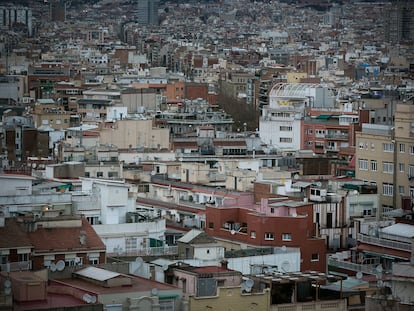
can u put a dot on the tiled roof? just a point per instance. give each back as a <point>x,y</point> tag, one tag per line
<point>66,239</point>
<point>13,236</point>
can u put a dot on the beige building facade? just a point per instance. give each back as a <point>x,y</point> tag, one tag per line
<point>135,134</point>
<point>385,157</point>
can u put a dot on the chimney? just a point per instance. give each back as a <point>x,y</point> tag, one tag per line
<point>2,220</point>
<point>224,264</point>
<point>82,237</point>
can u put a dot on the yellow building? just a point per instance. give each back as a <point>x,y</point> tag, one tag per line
<point>231,298</point>
<point>385,157</point>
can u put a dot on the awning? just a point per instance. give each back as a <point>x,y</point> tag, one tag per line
<point>301,184</point>
<point>324,116</point>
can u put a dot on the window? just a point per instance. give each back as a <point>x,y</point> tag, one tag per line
<point>269,236</point>
<point>23,257</point>
<point>272,210</point>
<point>367,212</point>
<point>99,174</point>
<point>315,257</point>
<point>284,128</point>
<point>211,225</point>
<point>401,167</point>
<point>387,189</point>
<point>361,145</point>
<point>411,171</point>
<point>388,167</point>
<point>285,139</point>
<point>286,237</point>
<point>130,244</point>
<point>93,220</point>
<point>401,189</point>
<point>402,147</point>
<point>93,261</point>
<point>253,234</point>
<point>412,150</point>
<point>388,147</point>
<point>166,305</point>
<point>363,164</point>
<point>411,191</point>
<point>112,174</point>
<point>374,165</point>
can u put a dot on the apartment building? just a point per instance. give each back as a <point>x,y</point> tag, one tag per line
<point>385,157</point>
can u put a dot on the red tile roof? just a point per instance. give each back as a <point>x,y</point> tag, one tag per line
<point>66,239</point>
<point>13,236</point>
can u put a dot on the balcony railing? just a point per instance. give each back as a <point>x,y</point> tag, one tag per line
<point>384,242</point>
<point>151,251</point>
<point>364,268</point>
<point>337,136</point>
<point>329,305</point>
<point>16,266</point>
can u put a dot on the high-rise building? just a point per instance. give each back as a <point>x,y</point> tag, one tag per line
<point>12,17</point>
<point>399,25</point>
<point>57,9</point>
<point>148,12</point>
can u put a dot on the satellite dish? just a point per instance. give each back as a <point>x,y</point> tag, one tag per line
<point>380,283</point>
<point>296,176</point>
<point>93,299</point>
<point>378,268</point>
<point>60,265</point>
<point>284,248</point>
<point>249,283</point>
<point>52,267</point>
<point>359,275</point>
<point>7,284</point>
<point>233,232</point>
<point>87,298</point>
<point>285,266</point>
<point>139,261</point>
<point>154,292</point>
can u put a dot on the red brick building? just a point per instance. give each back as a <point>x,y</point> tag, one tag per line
<point>33,244</point>
<point>275,222</point>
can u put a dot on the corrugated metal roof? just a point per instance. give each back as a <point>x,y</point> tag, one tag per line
<point>189,236</point>
<point>97,274</point>
<point>404,230</point>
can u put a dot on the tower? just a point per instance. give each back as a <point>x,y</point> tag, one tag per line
<point>400,21</point>
<point>148,12</point>
<point>57,9</point>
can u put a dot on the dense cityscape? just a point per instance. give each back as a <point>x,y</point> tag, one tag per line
<point>206,155</point>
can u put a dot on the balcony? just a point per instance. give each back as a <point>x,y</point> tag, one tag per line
<point>384,242</point>
<point>329,305</point>
<point>368,268</point>
<point>337,136</point>
<point>16,266</point>
<point>150,251</point>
